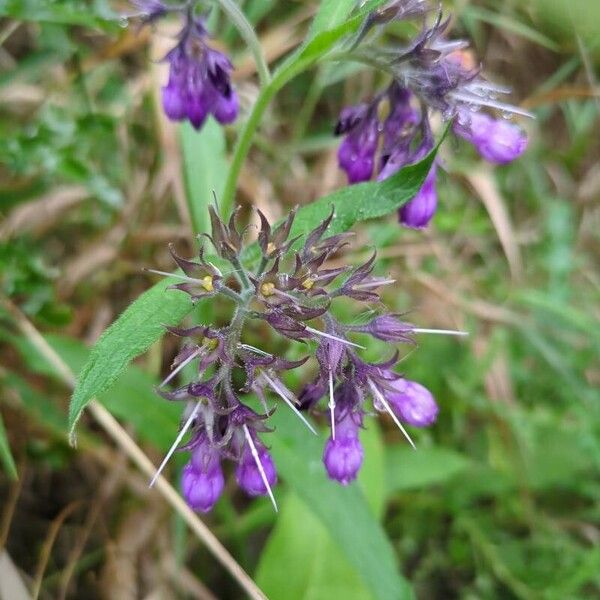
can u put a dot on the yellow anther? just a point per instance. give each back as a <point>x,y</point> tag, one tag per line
<point>210,343</point>
<point>271,247</point>
<point>267,289</point>
<point>207,283</point>
<point>308,283</point>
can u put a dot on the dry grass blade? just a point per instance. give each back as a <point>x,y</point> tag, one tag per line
<point>483,183</point>
<point>43,211</point>
<point>108,487</point>
<point>47,547</point>
<point>121,573</point>
<point>10,505</point>
<point>137,456</point>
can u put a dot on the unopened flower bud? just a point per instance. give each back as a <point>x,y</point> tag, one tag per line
<point>496,140</point>
<point>343,456</point>
<point>387,328</point>
<point>202,479</point>
<point>248,473</point>
<point>420,210</point>
<point>413,403</point>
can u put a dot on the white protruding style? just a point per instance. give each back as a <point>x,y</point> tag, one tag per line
<point>261,470</point>
<point>441,331</point>
<point>276,388</point>
<point>373,284</point>
<point>383,401</point>
<point>176,275</point>
<point>331,405</point>
<point>333,337</point>
<point>175,444</point>
<point>254,349</point>
<point>180,366</point>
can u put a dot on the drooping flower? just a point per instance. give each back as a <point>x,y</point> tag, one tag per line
<point>356,154</point>
<point>343,456</point>
<point>199,80</point>
<point>387,327</point>
<point>412,402</point>
<point>496,140</point>
<point>430,74</point>
<point>418,212</point>
<point>202,479</point>
<point>251,477</point>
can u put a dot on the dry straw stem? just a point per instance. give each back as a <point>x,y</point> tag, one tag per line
<point>137,456</point>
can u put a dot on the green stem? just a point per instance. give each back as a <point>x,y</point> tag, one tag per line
<point>233,295</point>
<point>242,273</point>
<point>247,32</point>
<point>242,148</point>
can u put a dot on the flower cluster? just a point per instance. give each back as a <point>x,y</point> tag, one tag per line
<point>199,76</point>
<point>429,74</point>
<point>292,289</point>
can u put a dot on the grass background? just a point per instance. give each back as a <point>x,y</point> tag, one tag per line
<point>501,501</point>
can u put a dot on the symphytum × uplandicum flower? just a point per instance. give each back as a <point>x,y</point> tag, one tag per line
<point>293,290</point>
<point>428,74</point>
<point>199,81</point>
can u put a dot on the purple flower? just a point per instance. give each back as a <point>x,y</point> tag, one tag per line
<point>248,474</point>
<point>412,402</point>
<point>225,104</point>
<point>199,80</point>
<point>356,154</point>
<point>387,328</point>
<point>428,74</point>
<point>400,126</point>
<point>202,478</point>
<point>343,456</point>
<point>419,211</point>
<point>174,94</point>
<point>495,139</point>
<point>150,10</point>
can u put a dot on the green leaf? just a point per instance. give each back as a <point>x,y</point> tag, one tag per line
<point>319,44</point>
<point>315,566</point>
<point>142,323</point>
<point>330,14</point>
<point>408,469</point>
<point>5,453</point>
<point>360,202</point>
<point>133,333</point>
<point>343,511</point>
<point>66,12</point>
<point>364,201</point>
<point>371,478</point>
<point>205,168</point>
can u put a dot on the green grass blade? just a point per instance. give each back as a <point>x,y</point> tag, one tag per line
<point>5,453</point>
